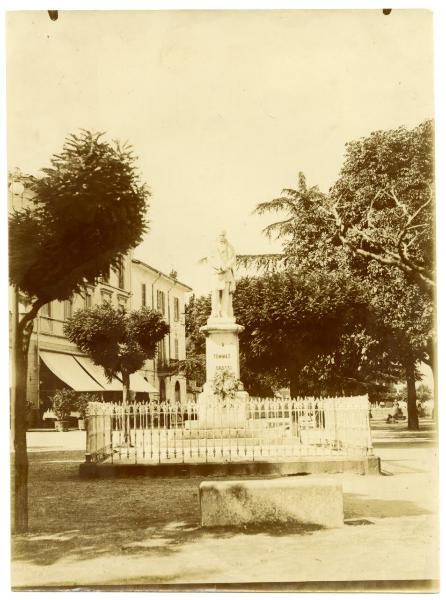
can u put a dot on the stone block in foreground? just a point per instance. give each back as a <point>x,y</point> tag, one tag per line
<point>289,499</point>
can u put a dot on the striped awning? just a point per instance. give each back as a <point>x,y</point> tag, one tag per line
<point>97,373</point>
<point>137,382</point>
<point>82,375</point>
<point>67,369</point>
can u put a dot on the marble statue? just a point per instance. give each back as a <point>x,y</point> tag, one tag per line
<point>222,264</point>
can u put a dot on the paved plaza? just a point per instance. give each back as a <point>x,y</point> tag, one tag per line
<point>140,531</point>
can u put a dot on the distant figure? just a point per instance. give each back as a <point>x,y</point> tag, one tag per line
<point>222,262</point>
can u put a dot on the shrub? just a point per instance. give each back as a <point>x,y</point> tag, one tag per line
<point>63,401</point>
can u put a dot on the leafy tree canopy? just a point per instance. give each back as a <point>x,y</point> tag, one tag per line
<point>314,327</point>
<point>405,312</point>
<point>382,202</point>
<point>197,312</point>
<point>193,367</point>
<point>118,341</point>
<point>379,209</point>
<point>88,211</point>
<point>305,228</point>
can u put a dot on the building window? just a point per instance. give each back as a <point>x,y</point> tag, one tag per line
<point>177,392</point>
<point>161,352</point>
<point>67,309</point>
<point>46,310</point>
<point>176,309</point>
<point>87,300</point>
<point>120,272</point>
<point>176,349</point>
<point>160,302</point>
<point>122,302</point>
<point>143,295</point>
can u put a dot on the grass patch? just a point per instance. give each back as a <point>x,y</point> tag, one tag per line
<point>87,518</point>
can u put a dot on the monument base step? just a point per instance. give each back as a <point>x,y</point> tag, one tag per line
<point>270,467</point>
<point>232,432</point>
<point>239,424</point>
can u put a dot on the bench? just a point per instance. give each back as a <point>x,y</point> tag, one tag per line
<point>298,499</point>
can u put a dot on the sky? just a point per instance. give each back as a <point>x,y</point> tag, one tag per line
<point>223,108</point>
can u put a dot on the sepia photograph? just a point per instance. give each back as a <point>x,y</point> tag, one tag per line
<point>222,300</point>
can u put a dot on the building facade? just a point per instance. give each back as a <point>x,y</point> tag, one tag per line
<point>55,362</point>
<point>167,295</point>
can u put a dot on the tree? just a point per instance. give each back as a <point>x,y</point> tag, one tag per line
<point>311,330</point>
<point>118,341</point>
<point>306,228</point>
<point>406,314</point>
<point>382,202</point>
<point>400,326</point>
<point>193,367</point>
<point>197,312</point>
<point>376,227</point>
<point>88,211</point>
<point>424,393</point>
<point>382,207</point>
<point>308,237</point>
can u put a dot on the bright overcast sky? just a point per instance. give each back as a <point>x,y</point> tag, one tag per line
<point>223,108</point>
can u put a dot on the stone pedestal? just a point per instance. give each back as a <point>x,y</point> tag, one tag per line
<point>222,348</point>
<point>222,353</point>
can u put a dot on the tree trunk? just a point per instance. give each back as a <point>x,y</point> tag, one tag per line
<point>125,399</point>
<point>20,456</point>
<point>125,388</point>
<point>412,412</point>
<point>21,338</point>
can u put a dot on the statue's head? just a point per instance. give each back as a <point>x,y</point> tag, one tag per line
<point>221,238</point>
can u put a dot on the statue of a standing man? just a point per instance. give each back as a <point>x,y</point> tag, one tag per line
<point>222,263</point>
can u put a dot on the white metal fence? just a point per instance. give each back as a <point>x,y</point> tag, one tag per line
<point>157,432</point>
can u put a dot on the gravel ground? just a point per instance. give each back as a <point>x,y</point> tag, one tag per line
<point>142,531</point>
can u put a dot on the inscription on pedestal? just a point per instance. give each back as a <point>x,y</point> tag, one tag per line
<point>222,352</point>
<point>223,361</point>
